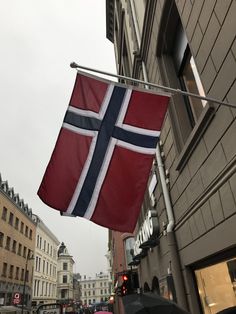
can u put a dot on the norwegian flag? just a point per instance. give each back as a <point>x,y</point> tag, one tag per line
<point>104,152</point>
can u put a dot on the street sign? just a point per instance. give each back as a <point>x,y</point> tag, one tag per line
<point>16,298</point>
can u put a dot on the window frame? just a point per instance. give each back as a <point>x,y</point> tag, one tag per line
<point>185,136</point>
<point>4,213</point>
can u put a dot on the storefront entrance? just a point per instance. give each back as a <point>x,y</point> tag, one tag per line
<point>217,286</point>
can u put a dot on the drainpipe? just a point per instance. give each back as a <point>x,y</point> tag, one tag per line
<point>175,262</point>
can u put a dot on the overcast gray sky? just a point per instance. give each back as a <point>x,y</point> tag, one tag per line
<point>38,40</point>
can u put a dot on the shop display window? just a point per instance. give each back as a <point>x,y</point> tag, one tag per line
<point>217,286</point>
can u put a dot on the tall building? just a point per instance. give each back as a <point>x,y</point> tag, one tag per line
<point>65,261</point>
<point>45,270</point>
<point>189,256</point>
<point>17,243</point>
<point>95,290</point>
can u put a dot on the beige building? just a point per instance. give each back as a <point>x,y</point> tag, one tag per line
<point>17,243</point>
<point>45,266</point>
<point>65,293</point>
<point>191,196</point>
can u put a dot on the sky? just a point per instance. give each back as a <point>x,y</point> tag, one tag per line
<point>39,39</point>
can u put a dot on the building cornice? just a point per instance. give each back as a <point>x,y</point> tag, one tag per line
<point>110,20</point>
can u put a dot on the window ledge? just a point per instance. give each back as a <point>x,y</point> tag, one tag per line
<point>195,136</point>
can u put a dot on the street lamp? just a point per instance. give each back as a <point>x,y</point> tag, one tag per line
<point>28,258</point>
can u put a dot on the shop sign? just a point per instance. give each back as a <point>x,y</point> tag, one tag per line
<point>149,230</point>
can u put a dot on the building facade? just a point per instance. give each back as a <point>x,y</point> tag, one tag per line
<point>190,257</point>
<point>17,243</point>
<point>45,266</point>
<point>95,290</point>
<point>65,261</point>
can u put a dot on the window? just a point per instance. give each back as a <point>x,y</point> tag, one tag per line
<point>64,279</point>
<point>22,274</point>
<point>11,270</point>
<point>26,231</point>
<point>17,273</point>
<point>63,294</point>
<point>27,276</point>
<point>189,116</point>
<point>129,244</point>
<point>36,263</point>
<point>21,227</point>
<point>188,75</point>
<point>17,223</point>
<point>24,252</point>
<point>11,217</point>
<point>14,246</point>
<point>4,213</point>
<point>1,239</point>
<point>65,266</point>
<point>19,249</point>
<point>39,265</point>
<point>217,284</point>
<point>4,270</point>
<point>8,243</point>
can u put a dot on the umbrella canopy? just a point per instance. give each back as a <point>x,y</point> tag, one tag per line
<point>149,303</point>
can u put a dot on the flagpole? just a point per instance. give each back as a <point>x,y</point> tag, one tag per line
<point>74,65</point>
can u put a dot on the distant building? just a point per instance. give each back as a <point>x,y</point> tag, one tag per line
<point>76,290</point>
<point>95,289</point>
<point>45,270</point>
<point>17,243</point>
<point>65,275</point>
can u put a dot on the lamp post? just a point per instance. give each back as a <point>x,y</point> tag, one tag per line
<point>28,258</point>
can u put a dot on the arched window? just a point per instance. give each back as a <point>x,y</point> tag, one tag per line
<point>146,287</point>
<point>155,285</point>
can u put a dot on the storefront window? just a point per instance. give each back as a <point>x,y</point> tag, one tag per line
<point>217,286</point>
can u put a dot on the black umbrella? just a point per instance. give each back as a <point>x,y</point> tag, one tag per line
<point>150,303</point>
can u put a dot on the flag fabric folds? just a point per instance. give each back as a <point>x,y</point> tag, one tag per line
<point>104,152</point>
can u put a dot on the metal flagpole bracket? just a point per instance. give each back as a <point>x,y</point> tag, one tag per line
<point>74,65</point>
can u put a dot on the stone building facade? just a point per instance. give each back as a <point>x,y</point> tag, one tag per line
<point>65,262</point>
<point>188,45</point>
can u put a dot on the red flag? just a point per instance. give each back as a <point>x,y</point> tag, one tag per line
<point>102,159</point>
